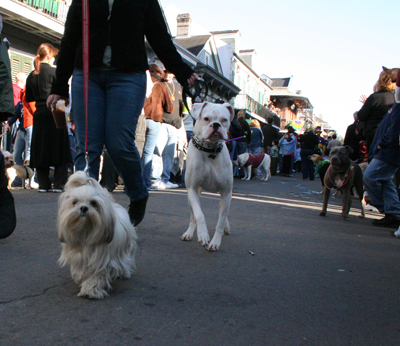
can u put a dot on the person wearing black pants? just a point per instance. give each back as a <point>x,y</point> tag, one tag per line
<point>308,140</point>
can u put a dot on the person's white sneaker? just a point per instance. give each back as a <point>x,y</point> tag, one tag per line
<point>160,185</point>
<point>370,207</point>
<point>169,185</point>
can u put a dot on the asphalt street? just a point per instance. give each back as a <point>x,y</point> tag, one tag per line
<point>285,276</point>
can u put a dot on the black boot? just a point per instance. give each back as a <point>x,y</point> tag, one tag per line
<point>137,209</point>
<point>389,220</point>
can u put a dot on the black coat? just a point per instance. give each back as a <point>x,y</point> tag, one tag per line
<point>124,30</point>
<point>308,140</point>
<point>374,109</point>
<point>352,139</point>
<point>6,89</point>
<point>50,146</point>
<point>246,129</point>
<point>270,133</point>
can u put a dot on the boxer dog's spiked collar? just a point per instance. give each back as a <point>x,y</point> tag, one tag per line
<point>209,147</point>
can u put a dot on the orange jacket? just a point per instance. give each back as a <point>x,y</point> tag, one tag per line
<point>158,102</point>
<point>29,109</point>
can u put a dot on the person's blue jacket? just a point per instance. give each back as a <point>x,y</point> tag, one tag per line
<point>289,147</point>
<point>256,137</point>
<point>387,138</point>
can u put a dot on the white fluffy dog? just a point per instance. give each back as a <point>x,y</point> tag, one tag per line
<point>209,168</point>
<point>98,239</point>
<point>258,161</point>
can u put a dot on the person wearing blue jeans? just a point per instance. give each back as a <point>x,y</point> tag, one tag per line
<point>117,83</point>
<point>157,102</point>
<point>378,180</point>
<point>152,131</point>
<point>112,93</point>
<point>165,148</point>
<point>378,177</point>
<point>168,136</point>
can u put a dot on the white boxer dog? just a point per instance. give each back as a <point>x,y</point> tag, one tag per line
<point>209,168</point>
<point>258,161</point>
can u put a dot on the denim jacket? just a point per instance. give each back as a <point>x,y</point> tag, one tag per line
<point>387,138</point>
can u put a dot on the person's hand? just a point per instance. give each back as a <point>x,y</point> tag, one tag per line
<point>192,78</point>
<point>7,127</point>
<point>363,98</point>
<point>53,99</point>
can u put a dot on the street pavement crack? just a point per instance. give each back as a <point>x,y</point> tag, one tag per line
<point>32,295</point>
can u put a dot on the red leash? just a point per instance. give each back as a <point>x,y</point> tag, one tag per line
<point>85,38</point>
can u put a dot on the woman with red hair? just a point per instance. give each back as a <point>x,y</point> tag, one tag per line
<point>50,146</point>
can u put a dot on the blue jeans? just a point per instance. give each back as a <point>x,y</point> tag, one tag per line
<point>22,149</point>
<point>378,181</point>
<point>152,131</point>
<point>307,165</point>
<point>115,103</point>
<point>165,149</point>
<point>22,146</point>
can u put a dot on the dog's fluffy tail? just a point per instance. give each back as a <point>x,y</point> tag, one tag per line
<point>80,178</point>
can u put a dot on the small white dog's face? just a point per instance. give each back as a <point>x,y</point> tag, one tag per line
<point>213,120</point>
<point>85,216</point>
<point>8,159</point>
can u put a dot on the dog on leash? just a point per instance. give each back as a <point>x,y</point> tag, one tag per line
<point>13,170</point>
<point>209,168</point>
<point>97,237</point>
<point>341,175</point>
<point>322,167</point>
<point>392,72</point>
<point>257,161</point>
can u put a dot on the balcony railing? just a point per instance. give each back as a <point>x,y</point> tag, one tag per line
<point>244,101</point>
<point>56,9</point>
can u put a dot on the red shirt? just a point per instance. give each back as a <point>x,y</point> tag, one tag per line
<point>17,92</point>
<point>254,160</point>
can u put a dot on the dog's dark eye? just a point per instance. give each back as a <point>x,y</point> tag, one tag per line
<point>94,204</point>
<point>206,118</point>
<point>74,202</point>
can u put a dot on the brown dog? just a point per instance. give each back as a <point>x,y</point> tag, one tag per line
<point>341,175</point>
<point>13,170</point>
<point>392,72</point>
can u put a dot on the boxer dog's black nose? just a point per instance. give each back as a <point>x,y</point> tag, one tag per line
<point>216,126</point>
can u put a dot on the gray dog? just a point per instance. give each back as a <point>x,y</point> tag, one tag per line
<point>341,175</point>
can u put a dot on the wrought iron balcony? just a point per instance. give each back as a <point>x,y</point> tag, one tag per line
<point>244,101</point>
<point>56,9</point>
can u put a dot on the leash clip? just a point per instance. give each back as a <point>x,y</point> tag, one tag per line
<point>87,167</point>
<point>198,96</point>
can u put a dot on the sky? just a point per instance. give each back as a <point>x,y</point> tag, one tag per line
<point>334,50</point>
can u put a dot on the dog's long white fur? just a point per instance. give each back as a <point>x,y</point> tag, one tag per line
<point>98,243</point>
